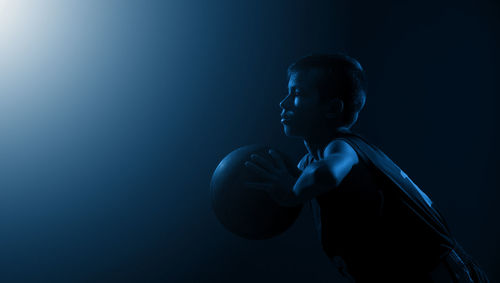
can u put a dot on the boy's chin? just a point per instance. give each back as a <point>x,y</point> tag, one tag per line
<point>291,133</point>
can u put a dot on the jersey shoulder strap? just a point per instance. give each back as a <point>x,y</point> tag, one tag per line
<point>409,192</point>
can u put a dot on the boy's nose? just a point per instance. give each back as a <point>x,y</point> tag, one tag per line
<point>284,103</point>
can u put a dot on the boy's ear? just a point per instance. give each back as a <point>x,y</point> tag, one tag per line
<point>335,108</point>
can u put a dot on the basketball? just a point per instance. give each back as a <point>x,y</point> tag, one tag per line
<point>249,213</point>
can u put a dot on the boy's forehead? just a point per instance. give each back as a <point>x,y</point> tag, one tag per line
<point>304,78</point>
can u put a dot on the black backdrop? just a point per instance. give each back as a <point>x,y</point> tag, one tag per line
<point>106,166</point>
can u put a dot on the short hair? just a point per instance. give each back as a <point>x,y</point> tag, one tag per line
<point>343,78</point>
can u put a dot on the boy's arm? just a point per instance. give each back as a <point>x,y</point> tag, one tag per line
<point>324,175</point>
<point>317,178</point>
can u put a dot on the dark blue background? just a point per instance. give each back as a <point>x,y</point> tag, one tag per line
<point>109,139</point>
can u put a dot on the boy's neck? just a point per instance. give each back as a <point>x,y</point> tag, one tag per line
<point>316,145</point>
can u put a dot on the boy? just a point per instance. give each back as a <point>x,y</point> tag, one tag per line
<point>371,218</point>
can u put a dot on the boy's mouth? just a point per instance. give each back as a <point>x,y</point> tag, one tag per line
<point>285,117</point>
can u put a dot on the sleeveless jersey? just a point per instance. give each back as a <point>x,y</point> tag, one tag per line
<point>379,222</point>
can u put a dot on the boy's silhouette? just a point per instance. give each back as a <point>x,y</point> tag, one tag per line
<point>373,221</point>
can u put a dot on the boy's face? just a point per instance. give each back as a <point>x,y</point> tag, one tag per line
<point>303,114</point>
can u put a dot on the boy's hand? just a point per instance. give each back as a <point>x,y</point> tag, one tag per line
<point>279,181</point>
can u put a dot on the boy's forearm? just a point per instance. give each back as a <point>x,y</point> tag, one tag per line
<point>325,174</point>
<point>316,179</point>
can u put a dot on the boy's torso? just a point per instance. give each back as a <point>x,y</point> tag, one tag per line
<point>370,227</point>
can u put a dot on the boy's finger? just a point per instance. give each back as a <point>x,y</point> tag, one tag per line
<point>280,162</point>
<point>263,162</point>
<point>257,169</point>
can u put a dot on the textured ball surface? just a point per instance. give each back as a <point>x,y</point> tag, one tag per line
<point>249,213</point>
